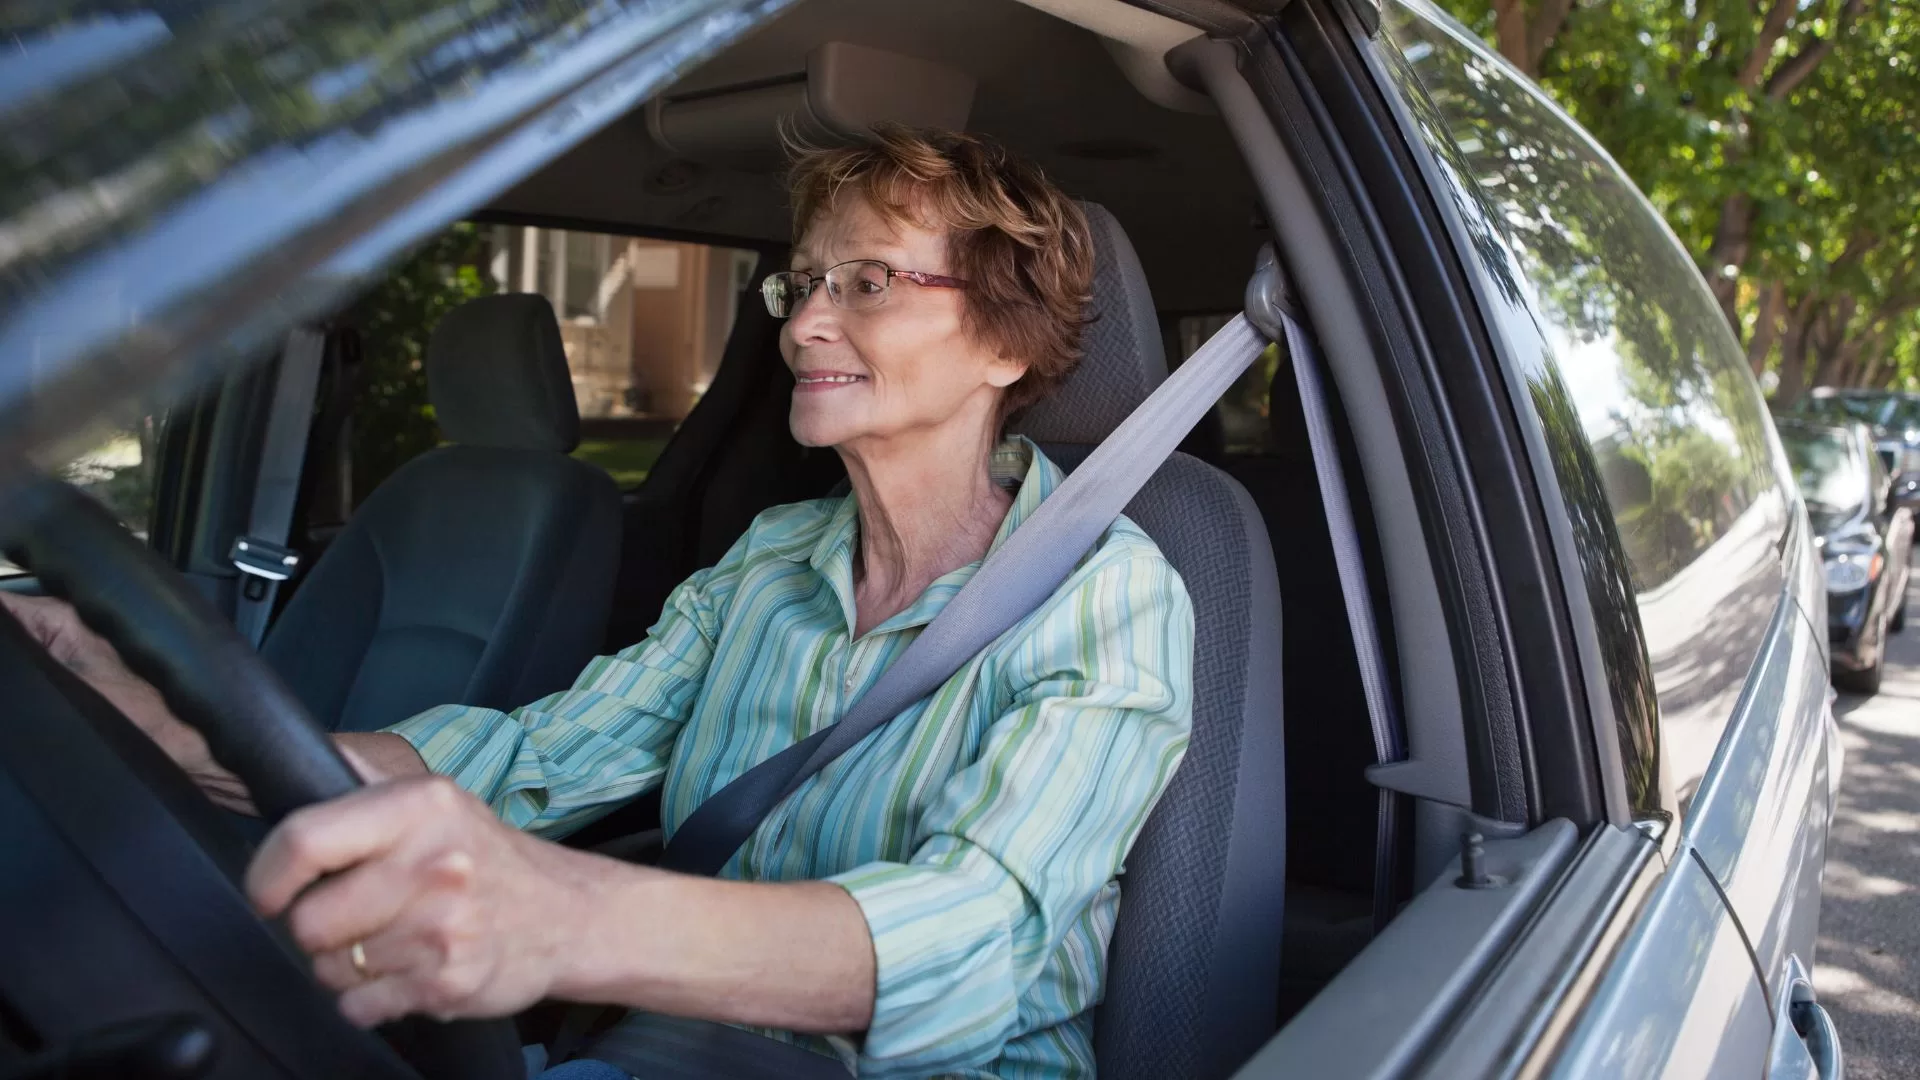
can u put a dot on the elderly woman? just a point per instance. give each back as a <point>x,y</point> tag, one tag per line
<point>939,899</point>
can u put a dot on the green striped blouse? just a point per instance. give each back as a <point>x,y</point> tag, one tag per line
<point>981,832</point>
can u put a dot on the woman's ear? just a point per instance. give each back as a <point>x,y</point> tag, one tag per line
<point>1002,373</point>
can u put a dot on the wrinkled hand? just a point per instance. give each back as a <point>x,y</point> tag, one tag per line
<point>57,627</point>
<point>457,914</point>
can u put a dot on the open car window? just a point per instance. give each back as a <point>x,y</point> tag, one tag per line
<point>117,470</point>
<point>644,322</point>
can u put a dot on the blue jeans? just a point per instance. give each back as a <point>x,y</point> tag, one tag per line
<point>572,1070</point>
<point>583,1070</point>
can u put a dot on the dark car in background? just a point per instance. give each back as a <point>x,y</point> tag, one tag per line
<point>1892,416</point>
<point>1864,532</point>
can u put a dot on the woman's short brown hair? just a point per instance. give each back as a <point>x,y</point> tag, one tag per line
<point>1020,243</point>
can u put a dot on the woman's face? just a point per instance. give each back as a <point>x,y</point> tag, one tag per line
<point>904,368</point>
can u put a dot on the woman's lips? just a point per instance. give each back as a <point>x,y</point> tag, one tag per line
<point>813,382</point>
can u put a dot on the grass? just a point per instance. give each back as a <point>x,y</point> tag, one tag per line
<point>626,460</point>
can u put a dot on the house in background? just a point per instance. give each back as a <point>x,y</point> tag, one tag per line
<point>644,321</point>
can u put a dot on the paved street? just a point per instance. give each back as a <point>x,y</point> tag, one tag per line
<point>1869,959</point>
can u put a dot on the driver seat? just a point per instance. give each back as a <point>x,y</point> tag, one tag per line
<point>1194,966</point>
<point>479,573</point>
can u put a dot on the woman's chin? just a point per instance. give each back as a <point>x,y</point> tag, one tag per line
<point>817,431</point>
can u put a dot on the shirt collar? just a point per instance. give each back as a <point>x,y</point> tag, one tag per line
<point>1016,465</point>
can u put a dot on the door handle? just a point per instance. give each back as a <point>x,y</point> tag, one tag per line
<point>1815,1027</point>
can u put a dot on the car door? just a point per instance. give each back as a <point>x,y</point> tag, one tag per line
<point>1505,962</point>
<point>1646,415</point>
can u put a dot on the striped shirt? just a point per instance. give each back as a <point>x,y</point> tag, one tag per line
<point>981,832</point>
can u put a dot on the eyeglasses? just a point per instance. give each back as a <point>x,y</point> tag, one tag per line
<point>856,286</point>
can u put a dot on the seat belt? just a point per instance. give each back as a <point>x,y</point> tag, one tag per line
<point>1382,711</point>
<point>1011,584</point>
<point>262,555</point>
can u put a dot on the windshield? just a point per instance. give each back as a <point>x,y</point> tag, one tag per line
<point>1831,473</point>
<point>152,240</point>
<point>1882,411</point>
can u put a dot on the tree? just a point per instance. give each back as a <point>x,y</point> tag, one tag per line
<point>1523,32</point>
<point>1778,137</point>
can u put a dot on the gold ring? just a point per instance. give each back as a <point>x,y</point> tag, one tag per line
<point>357,956</point>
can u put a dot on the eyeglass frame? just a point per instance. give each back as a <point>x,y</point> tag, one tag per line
<point>918,277</point>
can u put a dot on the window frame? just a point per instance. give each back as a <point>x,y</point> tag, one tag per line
<point>1540,625</point>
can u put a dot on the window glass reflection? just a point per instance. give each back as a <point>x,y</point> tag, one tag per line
<point>1630,357</point>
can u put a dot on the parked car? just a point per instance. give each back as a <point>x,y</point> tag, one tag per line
<point>1579,830</point>
<point>1892,416</point>
<point>1864,532</point>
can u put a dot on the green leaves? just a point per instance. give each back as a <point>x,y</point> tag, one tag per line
<point>1778,137</point>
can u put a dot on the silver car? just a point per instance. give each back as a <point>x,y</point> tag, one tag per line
<point>1513,751</point>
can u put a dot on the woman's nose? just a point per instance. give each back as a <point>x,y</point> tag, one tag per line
<point>816,319</point>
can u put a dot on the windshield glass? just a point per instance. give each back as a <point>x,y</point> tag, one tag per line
<point>1831,474</point>
<point>1903,413</point>
<point>1881,411</point>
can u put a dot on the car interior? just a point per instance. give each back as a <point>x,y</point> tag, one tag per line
<point>491,568</point>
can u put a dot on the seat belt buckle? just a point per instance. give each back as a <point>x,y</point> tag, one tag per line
<point>261,559</point>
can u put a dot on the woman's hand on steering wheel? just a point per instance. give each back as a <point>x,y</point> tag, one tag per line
<point>58,629</point>
<point>412,897</point>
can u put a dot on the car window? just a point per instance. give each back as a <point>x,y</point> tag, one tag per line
<point>1632,359</point>
<point>1872,409</point>
<point>1830,471</point>
<point>118,471</point>
<point>644,323</point>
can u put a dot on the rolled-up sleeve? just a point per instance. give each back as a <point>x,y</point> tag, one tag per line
<point>557,764</point>
<point>1014,848</point>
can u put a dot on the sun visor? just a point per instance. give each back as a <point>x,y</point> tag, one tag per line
<point>844,91</point>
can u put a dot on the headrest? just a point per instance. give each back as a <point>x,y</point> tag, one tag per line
<point>1122,358</point>
<point>497,375</point>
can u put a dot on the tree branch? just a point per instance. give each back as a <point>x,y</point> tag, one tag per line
<point>1802,63</point>
<point>1771,28</point>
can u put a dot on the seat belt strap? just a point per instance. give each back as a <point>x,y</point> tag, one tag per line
<point>1382,711</point>
<point>262,555</point>
<point>1010,585</point>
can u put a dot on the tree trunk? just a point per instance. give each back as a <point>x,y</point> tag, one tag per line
<point>1870,376</point>
<point>1828,340</point>
<point>1510,31</point>
<point>1793,354</point>
<point>1766,327</point>
<point>1545,27</point>
<point>1732,237</point>
<point>1733,234</point>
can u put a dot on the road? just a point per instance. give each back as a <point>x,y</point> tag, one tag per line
<point>1868,965</point>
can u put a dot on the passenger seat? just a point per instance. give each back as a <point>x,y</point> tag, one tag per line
<point>1195,960</point>
<point>480,572</point>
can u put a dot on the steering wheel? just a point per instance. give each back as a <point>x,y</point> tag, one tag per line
<point>214,681</point>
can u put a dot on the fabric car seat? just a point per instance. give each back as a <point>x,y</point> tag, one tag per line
<point>1193,972</point>
<point>479,573</point>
